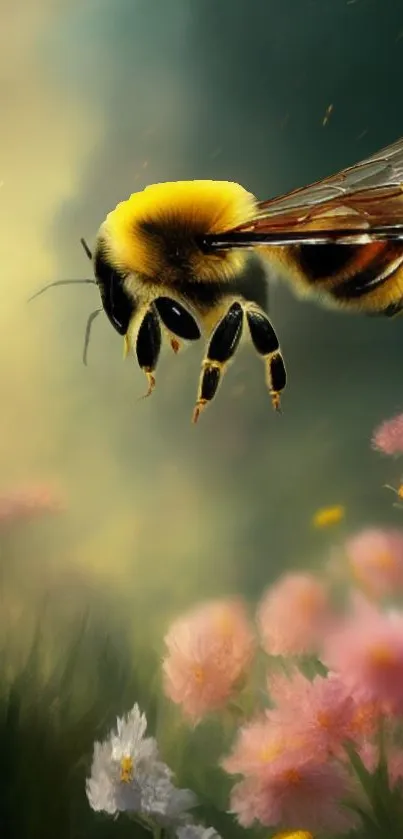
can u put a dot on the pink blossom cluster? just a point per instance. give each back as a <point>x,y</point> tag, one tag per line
<point>208,652</point>
<point>388,436</point>
<point>375,560</point>
<point>295,757</point>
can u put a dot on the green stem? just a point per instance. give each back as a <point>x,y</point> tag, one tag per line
<point>147,824</point>
<point>361,772</point>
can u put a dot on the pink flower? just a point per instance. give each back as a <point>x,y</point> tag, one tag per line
<point>376,560</point>
<point>28,502</point>
<point>313,719</point>
<point>208,651</point>
<point>388,437</point>
<point>261,742</point>
<point>367,651</point>
<point>293,614</point>
<point>283,689</point>
<point>294,834</point>
<point>322,711</point>
<point>366,719</point>
<point>304,795</point>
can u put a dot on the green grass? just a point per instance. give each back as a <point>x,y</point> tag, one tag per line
<point>47,731</point>
<point>48,725</point>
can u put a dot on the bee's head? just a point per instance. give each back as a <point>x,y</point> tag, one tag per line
<point>116,302</point>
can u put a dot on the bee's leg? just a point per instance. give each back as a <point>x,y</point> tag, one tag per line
<point>177,320</point>
<point>148,346</point>
<point>222,346</point>
<point>266,343</point>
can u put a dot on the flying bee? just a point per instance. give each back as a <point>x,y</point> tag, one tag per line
<point>170,258</point>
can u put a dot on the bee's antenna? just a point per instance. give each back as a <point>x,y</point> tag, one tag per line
<point>86,248</point>
<point>59,282</point>
<point>66,282</point>
<point>87,336</point>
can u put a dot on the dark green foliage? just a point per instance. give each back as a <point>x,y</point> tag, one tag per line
<point>381,814</point>
<point>47,730</point>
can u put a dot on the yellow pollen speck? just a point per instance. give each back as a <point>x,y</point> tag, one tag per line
<point>324,719</point>
<point>224,624</point>
<point>385,560</point>
<point>327,516</point>
<point>364,717</point>
<point>310,602</point>
<point>126,769</point>
<point>383,656</point>
<point>270,752</point>
<point>198,673</point>
<point>292,776</point>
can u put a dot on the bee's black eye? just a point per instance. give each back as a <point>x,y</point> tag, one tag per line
<point>117,304</point>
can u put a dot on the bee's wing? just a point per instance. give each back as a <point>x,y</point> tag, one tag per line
<point>360,204</point>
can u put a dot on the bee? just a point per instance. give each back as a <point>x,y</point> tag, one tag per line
<point>169,260</point>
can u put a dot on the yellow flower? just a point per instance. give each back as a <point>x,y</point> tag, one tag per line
<point>327,516</point>
<point>294,834</point>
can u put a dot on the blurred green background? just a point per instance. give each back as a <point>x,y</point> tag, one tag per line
<point>99,99</point>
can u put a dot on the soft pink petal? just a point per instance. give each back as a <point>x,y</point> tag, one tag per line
<point>208,651</point>
<point>367,652</point>
<point>306,797</point>
<point>293,614</point>
<point>388,437</point>
<point>376,560</point>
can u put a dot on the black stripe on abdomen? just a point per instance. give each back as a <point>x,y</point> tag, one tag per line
<point>371,277</point>
<point>322,262</point>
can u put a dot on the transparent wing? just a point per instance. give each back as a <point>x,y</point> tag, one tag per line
<point>361,203</point>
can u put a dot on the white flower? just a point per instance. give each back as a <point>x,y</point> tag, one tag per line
<point>101,792</point>
<point>196,831</point>
<point>166,804</point>
<point>130,746</point>
<point>128,774</point>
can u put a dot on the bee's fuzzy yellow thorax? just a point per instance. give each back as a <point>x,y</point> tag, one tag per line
<point>178,211</point>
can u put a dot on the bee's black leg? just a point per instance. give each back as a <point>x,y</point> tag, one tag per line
<point>148,346</point>
<point>222,346</point>
<point>266,343</point>
<point>177,319</point>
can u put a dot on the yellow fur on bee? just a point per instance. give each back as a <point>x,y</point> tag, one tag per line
<point>189,208</point>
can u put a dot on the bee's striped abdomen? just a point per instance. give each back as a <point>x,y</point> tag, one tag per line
<point>374,274</point>
<point>322,262</point>
<point>367,277</point>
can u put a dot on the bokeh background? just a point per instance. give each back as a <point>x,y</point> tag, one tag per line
<point>98,99</point>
